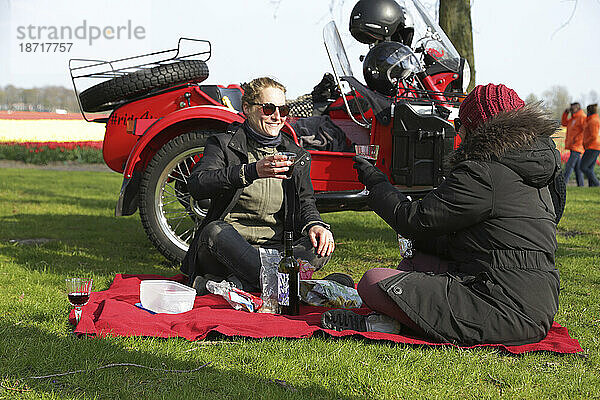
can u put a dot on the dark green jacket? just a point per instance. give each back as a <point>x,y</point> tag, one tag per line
<point>493,219</point>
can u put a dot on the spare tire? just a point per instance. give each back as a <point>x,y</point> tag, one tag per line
<point>106,95</point>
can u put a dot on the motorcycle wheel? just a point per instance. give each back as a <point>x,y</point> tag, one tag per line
<point>169,215</point>
<point>106,95</point>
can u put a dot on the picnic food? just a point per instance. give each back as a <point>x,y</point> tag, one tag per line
<point>329,293</point>
<point>237,298</point>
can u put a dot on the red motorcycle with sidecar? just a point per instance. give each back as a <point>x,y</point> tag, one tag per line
<point>158,115</point>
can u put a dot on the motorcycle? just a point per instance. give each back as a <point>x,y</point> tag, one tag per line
<point>159,114</point>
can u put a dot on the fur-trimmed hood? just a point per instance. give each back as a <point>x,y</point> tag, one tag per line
<point>519,139</point>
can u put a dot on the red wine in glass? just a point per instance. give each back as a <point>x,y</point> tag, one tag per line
<point>78,299</point>
<point>78,292</point>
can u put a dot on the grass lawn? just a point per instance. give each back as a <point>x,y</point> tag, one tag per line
<point>76,210</point>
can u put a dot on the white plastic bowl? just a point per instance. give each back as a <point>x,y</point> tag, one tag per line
<point>168,297</point>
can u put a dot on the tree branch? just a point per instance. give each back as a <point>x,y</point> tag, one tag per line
<point>568,20</point>
<point>276,4</point>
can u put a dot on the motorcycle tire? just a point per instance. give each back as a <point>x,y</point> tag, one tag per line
<point>106,95</point>
<point>169,215</point>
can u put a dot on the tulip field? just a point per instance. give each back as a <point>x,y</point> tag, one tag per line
<point>40,138</point>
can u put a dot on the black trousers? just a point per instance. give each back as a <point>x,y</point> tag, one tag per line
<point>222,252</point>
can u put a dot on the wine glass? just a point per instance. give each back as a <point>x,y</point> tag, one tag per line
<point>369,152</point>
<point>289,157</point>
<point>78,292</point>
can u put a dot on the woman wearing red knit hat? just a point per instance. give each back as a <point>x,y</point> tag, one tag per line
<point>483,268</point>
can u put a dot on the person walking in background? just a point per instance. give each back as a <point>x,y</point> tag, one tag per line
<point>591,144</point>
<point>574,141</point>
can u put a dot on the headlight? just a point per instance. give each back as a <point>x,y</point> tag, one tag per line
<point>466,76</point>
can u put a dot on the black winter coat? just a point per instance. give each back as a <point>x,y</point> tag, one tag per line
<point>217,177</point>
<point>493,219</point>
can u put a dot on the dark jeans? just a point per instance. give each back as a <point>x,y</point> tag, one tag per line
<point>378,300</point>
<point>573,163</point>
<point>588,161</point>
<point>224,252</point>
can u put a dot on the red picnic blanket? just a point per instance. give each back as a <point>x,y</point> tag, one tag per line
<point>113,312</point>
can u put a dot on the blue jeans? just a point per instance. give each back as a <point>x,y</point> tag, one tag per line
<point>588,161</point>
<point>573,163</point>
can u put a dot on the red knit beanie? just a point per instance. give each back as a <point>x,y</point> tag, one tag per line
<point>485,102</point>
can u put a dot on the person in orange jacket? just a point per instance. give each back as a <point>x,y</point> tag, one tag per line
<point>591,144</point>
<point>574,141</point>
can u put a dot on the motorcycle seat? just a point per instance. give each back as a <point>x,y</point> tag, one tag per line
<point>217,93</point>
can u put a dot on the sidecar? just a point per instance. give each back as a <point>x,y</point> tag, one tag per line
<point>159,114</point>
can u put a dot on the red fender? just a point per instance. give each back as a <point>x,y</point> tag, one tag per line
<point>218,113</point>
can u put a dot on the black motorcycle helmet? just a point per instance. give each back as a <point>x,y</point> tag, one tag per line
<point>386,64</point>
<point>380,20</point>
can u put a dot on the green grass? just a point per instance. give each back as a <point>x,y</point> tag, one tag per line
<point>76,210</point>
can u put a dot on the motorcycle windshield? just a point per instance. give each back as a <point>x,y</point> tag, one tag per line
<point>335,50</point>
<point>433,39</point>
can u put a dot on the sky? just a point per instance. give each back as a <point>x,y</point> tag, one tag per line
<point>528,45</point>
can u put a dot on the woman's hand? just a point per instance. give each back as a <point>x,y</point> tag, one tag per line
<point>274,166</point>
<point>322,240</point>
<point>368,174</point>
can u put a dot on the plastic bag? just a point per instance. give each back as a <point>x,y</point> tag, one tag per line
<point>406,247</point>
<point>325,293</point>
<point>238,299</point>
<point>269,261</point>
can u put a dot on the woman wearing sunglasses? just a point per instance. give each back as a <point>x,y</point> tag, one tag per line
<point>242,174</point>
<point>483,270</point>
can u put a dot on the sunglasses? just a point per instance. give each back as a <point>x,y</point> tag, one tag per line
<point>269,108</point>
<point>457,124</point>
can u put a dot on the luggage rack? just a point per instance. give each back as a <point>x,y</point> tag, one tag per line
<point>90,69</point>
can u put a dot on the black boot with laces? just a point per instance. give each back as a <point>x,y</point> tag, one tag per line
<point>341,320</point>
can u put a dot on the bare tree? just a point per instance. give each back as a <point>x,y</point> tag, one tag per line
<point>556,100</point>
<point>455,20</point>
<point>47,98</point>
<point>590,98</point>
<point>568,20</point>
<point>532,98</point>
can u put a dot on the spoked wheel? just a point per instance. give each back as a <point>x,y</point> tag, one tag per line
<point>169,214</point>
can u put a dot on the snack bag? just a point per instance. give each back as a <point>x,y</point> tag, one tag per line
<point>325,293</point>
<point>238,299</point>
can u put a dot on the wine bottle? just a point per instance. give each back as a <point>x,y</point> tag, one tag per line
<point>288,285</point>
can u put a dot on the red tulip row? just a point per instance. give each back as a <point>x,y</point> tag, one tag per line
<point>56,145</point>
<point>45,152</point>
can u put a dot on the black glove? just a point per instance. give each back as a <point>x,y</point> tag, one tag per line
<point>368,174</point>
